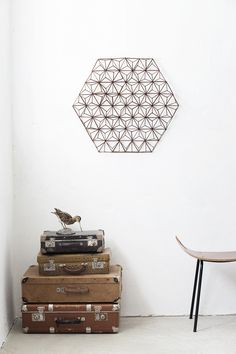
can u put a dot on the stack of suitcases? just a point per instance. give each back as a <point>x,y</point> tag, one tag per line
<point>74,288</point>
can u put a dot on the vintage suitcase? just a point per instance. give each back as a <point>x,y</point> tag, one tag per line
<point>75,263</point>
<point>71,288</point>
<point>79,242</point>
<point>71,318</point>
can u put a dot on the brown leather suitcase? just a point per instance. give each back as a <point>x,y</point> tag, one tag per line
<point>78,242</point>
<point>70,318</point>
<point>74,264</point>
<point>71,288</point>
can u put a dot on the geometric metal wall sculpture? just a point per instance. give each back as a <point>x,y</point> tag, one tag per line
<point>126,105</point>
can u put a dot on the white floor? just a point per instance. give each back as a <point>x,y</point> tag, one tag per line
<point>147,335</point>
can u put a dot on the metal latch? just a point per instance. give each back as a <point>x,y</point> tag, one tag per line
<point>50,266</point>
<point>39,316</point>
<point>50,243</point>
<point>97,264</point>
<point>101,316</point>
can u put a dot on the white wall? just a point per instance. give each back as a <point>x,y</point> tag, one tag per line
<point>185,187</point>
<point>6,295</point>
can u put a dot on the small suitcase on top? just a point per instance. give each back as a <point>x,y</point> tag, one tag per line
<point>75,263</point>
<point>79,242</point>
<point>71,318</point>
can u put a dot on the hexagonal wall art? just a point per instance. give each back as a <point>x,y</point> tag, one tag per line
<point>126,105</point>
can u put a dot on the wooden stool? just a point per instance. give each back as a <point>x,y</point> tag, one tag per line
<point>217,257</point>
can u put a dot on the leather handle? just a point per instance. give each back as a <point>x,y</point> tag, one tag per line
<point>83,290</point>
<point>60,321</point>
<point>74,269</point>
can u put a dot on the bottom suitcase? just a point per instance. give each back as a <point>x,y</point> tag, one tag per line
<point>71,318</point>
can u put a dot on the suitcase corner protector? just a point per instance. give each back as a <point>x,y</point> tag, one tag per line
<point>115,329</point>
<point>24,280</point>
<point>24,308</point>
<point>116,299</point>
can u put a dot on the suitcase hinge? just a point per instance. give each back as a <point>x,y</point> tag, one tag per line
<point>41,309</point>
<point>89,307</point>
<point>50,307</point>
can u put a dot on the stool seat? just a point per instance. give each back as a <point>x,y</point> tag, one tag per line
<point>222,257</point>
<point>217,257</point>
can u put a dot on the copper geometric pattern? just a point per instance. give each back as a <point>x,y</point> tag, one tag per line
<point>126,105</point>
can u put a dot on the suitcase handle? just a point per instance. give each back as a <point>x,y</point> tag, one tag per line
<point>83,290</point>
<point>68,321</point>
<point>74,269</point>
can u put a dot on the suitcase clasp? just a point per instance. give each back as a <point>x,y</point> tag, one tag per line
<point>50,243</point>
<point>101,316</point>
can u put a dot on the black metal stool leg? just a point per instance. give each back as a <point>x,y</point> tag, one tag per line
<point>194,289</point>
<point>198,297</point>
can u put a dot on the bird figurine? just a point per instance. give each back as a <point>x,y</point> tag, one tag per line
<point>66,218</point>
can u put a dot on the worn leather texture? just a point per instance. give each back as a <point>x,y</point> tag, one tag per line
<point>71,318</point>
<point>71,288</point>
<point>81,241</point>
<point>74,264</point>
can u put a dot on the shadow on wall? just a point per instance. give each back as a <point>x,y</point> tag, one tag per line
<point>9,301</point>
<point>6,294</point>
<point>132,290</point>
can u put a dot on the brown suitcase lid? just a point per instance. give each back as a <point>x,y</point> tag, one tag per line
<point>47,308</point>
<point>75,257</point>
<point>32,276</point>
